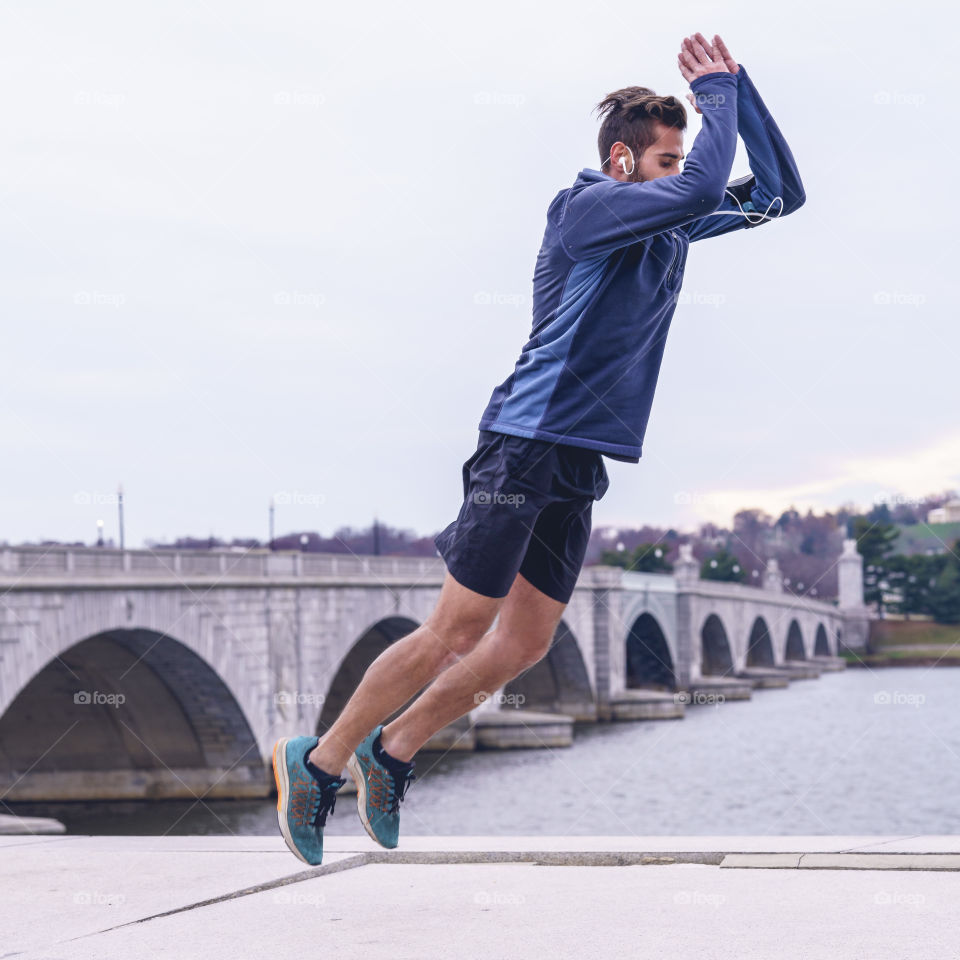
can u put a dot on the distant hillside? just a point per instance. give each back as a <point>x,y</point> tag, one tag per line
<point>925,537</point>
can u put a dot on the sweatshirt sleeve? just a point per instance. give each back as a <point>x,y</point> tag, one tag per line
<point>773,171</point>
<point>605,216</point>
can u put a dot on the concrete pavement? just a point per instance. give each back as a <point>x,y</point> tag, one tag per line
<point>77,898</point>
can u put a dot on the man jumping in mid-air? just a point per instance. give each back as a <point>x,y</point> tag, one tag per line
<point>605,288</point>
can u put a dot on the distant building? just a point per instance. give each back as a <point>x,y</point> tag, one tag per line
<point>948,513</point>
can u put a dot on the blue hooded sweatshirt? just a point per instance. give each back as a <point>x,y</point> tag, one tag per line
<point>609,271</point>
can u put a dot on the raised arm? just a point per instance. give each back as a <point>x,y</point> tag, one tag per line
<point>605,216</point>
<point>773,171</point>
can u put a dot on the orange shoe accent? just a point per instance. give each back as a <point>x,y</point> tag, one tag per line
<point>379,787</point>
<point>276,778</point>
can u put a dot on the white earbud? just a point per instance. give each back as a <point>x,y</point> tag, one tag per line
<point>623,164</point>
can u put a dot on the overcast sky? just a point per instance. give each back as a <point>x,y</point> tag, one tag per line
<point>285,248</point>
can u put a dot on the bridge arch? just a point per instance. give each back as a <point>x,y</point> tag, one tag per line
<point>716,659</point>
<point>795,646</point>
<point>134,713</point>
<point>760,646</point>
<point>558,682</point>
<point>649,662</point>
<point>373,641</point>
<point>821,645</point>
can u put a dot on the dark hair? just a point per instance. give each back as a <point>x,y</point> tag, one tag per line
<point>630,117</point>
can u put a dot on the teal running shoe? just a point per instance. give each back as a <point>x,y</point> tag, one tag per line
<point>302,801</point>
<point>379,792</point>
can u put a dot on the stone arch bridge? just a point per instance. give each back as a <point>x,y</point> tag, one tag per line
<point>160,673</point>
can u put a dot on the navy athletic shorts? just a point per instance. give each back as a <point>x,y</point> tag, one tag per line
<point>526,508</point>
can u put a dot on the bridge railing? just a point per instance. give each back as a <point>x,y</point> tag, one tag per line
<point>59,561</point>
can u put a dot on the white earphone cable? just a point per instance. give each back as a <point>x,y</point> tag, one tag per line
<point>722,213</point>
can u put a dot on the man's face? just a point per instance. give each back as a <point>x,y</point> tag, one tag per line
<point>661,159</point>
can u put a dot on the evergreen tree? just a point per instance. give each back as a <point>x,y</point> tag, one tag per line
<point>944,602</point>
<point>874,541</point>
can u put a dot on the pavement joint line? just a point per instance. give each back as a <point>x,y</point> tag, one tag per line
<point>865,848</point>
<point>930,862</point>
<point>584,858</point>
<point>29,840</point>
<point>550,858</point>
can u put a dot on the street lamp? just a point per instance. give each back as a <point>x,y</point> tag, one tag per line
<point>120,511</point>
<point>99,533</point>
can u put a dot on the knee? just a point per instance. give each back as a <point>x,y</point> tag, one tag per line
<point>453,640</point>
<point>531,651</point>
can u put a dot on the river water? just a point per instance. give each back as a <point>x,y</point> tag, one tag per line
<point>865,751</point>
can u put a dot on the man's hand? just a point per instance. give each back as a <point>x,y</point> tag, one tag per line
<point>721,48</point>
<point>697,58</point>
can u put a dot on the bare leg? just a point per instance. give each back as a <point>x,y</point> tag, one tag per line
<point>521,637</point>
<point>456,625</point>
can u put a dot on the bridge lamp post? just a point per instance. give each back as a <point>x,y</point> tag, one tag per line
<point>120,511</point>
<point>99,533</point>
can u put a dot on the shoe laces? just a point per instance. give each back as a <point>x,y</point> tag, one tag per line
<point>400,788</point>
<point>386,788</point>
<point>312,802</point>
<point>326,801</point>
